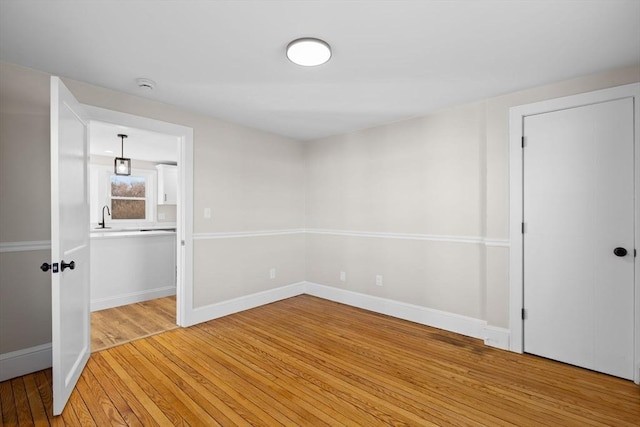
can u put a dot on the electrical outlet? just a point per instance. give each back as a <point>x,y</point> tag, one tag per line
<point>378,280</point>
<point>272,273</point>
<point>162,216</point>
<point>343,276</point>
<point>207,213</point>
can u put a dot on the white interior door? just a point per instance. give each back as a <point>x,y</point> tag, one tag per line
<point>578,193</point>
<point>71,333</point>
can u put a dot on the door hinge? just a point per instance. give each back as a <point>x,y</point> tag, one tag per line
<point>524,314</point>
<point>522,228</point>
<point>182,242</point>
<point>523,142</point>
<point>635,253</point>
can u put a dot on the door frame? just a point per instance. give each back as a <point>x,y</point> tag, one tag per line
<point>516,262</point>
<point>184,214</point>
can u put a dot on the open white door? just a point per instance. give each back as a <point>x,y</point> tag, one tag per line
<point>69,243</point>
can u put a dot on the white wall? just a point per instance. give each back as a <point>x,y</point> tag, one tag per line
<point>250,179</point>
<point>131,267</point>
<point>424,203</point>
<point>437,185</point>
<point>25,219</point>
<point>422,181</point>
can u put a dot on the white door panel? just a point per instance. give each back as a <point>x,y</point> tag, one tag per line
<point>578,175</point>
<point>69,242</point>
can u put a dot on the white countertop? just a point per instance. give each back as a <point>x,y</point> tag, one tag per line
<point>108,233</point>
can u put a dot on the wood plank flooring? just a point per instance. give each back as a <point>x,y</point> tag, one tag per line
<point>310,362</point>
<point>120,325</point>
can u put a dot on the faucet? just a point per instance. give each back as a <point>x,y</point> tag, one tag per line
<point>102,224</point>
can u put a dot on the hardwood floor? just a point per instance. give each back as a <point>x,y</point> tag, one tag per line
<point>306,362</point>
<point>120,325</point>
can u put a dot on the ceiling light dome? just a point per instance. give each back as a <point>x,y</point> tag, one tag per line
<point>308,52</point>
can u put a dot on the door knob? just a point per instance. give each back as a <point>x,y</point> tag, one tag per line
<point>70,265</point>
<point>620,252</point>
<point>45,267</point>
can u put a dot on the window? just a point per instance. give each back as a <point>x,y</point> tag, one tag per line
<point>128,197</point>
<point>131,199</point>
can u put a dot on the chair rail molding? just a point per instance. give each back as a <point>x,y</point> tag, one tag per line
<point>25,246</point>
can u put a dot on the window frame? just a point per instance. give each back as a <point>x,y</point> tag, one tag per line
<point>144,198</point>
<point>101,196</point>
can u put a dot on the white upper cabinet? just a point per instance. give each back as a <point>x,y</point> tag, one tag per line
<point>167,184</point>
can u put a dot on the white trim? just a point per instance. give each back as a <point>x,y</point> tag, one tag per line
<point>497,243</point>
<point>126,234</point>
<point>413,236</point>
<point>425,316</point>
<point>516,120</point>
<point>236,305</point>
<point>36,245</point>
<point>351,233</point>
<point>239,234</point>
<point>184,222</point>
<point>403,236</point>
<point>33,359</point>
<point>452,322</point>
<point>131,298</point>
<point>496,337</point>
<point>184,233</point>
<point>25,361</point>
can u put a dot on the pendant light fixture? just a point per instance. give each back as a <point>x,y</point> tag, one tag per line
<point>122,165</point>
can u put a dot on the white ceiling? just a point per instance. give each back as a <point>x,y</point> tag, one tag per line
<point>139,145</point>
<point>391,59</point>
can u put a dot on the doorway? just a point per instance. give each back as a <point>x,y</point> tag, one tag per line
<point>573,273</point>
<point>133,232</point>
<point>184,210</point>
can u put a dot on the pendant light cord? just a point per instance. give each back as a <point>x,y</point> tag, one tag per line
<point>122,137</point>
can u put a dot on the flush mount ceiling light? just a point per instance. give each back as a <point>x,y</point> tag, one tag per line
<point>308,52</point>
<point>122,165</point>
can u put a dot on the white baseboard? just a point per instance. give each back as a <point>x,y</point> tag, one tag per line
<point>33,359</point>
<point>131,298</point>
<point>225,308</point>
<point>496,337</point>
<point>25,361</point>
<point>425,316</point>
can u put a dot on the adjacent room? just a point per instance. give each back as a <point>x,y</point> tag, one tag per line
<point>412,212</point>
<point>132,234</point>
